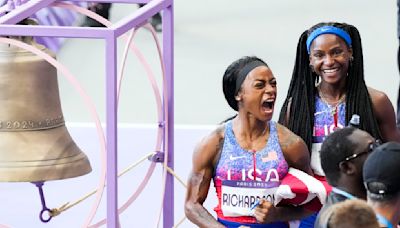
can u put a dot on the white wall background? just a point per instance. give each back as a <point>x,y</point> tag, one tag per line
<point>211,34</point>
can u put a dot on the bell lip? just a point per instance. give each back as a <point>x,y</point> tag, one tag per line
<point>51,155</point>
<point>46,173</point>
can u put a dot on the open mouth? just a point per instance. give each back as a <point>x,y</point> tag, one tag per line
<point>268,105</point>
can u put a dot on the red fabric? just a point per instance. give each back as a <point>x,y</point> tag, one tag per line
<point>310,192</point>
<point>325,183</point>
<point>298,187</point>
<point>313,205</point>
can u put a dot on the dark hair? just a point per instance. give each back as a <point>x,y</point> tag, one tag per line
<point>336,147</point>
<point>302,90</point>
<point>230,77</point>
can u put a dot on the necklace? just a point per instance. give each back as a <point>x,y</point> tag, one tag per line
<point>333,108</point>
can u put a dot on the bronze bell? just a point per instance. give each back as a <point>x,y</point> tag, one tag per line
<point>35,145</point>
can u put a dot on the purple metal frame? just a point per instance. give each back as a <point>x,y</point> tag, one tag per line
<point>110,35</point>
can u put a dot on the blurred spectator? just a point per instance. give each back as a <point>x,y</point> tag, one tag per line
<point>381,179</point>
<point>350,213</point>
<point>155,21</point>
<point>342,158</point>
<point>102,9</point>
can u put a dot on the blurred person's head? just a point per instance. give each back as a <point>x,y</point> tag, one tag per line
<point>350,213</point>
<point>342,157</point>
<point>382,180</point>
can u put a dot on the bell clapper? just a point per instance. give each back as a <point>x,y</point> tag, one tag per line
<point>39,185</point>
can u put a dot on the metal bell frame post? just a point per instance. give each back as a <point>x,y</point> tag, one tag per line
<point>110,35</point>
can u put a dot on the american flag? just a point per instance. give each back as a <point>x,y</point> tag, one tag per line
<point>299,188</point>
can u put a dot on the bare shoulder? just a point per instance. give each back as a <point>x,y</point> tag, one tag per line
<point>207,150</point>
<point>385,115</point>
<point>377,96</point>
<point>383,107</point>
<point>287,138</point>
<point>214,137</point>
<point>294,149</point>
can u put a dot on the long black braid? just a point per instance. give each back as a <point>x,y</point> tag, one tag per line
<point>302,91</point>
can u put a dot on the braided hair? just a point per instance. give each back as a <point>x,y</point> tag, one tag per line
<point>302,91</point>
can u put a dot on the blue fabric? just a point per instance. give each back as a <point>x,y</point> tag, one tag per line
<point>229,224</point>
<point>232,149</point>
<point>309,221</point>
<point>328,30</point>
<point>343,193</point>
<point>384,221</point>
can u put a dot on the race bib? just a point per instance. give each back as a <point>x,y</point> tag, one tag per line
<point>237,197</point>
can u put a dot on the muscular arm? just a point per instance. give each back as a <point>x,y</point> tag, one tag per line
<point>385,115</point>
<point>204,159</point>
<point>294,149</point>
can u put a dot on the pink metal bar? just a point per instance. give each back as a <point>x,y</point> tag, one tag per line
<point>54,31</point>
<point>140,16</point>
<point>107,1</point>
<point>111,131</point>
<point>168,47</point>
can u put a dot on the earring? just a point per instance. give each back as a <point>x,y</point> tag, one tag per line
<point>316,81</point>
